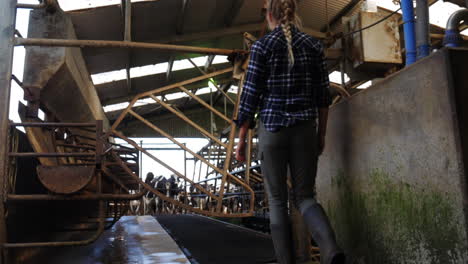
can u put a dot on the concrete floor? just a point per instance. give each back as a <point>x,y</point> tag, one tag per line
<point>143,240</point>
<point>132,240</point>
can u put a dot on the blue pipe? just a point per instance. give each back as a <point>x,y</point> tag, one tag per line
<point>452,32</point>
<point>410,35</point>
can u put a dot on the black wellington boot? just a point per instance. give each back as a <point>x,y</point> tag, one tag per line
<point>283,243</point>
<point>322,232</point>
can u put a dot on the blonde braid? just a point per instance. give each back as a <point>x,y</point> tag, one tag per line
<point>287,16</point>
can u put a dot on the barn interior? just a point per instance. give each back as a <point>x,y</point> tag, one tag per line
<point>101,81</point>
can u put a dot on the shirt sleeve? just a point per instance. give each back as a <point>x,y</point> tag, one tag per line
<point>323,93</point>
<point>254,85</point>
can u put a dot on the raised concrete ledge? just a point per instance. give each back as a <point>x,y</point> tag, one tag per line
<point>156,244</point>
<point>132,240</point>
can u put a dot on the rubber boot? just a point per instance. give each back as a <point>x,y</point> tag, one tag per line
<point>283,243</point>
<point>322,232</point>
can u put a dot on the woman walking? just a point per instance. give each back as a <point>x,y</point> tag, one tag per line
<point>288,82</point>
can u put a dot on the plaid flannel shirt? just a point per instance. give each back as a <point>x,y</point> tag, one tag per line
<point>284,97</point>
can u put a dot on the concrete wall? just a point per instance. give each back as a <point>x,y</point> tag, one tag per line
<point>60,73</point>
<point>392,177</point>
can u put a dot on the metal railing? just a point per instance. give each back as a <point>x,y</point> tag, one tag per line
<point>218,194</point>
<point>93,149</point>
<point>113,165</point>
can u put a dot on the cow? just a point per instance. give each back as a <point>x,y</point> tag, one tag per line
<point>192,200</point>
<point>210,201</point>
<point>198,198</point>
<point>134,207</point>
<point>160,186</point>
<point>172,191</point>
<point>149,205</point>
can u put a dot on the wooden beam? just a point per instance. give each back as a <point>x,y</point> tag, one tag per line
<point>205,104</point>
<point>190,122</point>
<point>211,81</point>
<point>47,42</point>
<point>193,87</point>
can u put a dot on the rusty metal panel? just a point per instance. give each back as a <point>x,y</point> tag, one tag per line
<point>364,48</point>
<point>392,176</point>
<point>65,179</point>
<point>60,73</point>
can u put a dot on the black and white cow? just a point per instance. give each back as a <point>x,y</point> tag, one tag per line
<point>160,185</point>
<point>149,205</point>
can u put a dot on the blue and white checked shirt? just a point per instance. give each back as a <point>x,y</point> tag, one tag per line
<point>284,97</point>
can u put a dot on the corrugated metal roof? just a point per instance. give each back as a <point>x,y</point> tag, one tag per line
<point>162,20</point>
<point>116,92</point>
<point>250,12</point>
<point>314,13</point>
<point>158,20</point>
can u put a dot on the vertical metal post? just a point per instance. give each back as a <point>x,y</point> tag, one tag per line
<point>194,169</point>
<point>422,29</point>
<point>217,164</point>
<point>249,156</point>
<point>185,174</point>
<point>127,12</point>
<point>199,173</point>
<point>99,142</point>
<point>342,72</point>
<point>225,106</point>
<point>7,31</point>
<point>208,167</point>
<point>128,20</point>
<point>211,113</point>
<point>230,148</point>
<point>141,160</point>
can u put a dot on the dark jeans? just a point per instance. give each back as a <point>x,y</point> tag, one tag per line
<point>294,147</point>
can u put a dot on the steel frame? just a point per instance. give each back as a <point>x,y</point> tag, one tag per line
<point>228,147</point>
<point>8,41</point>
<point>7,31</point>
<point>99,196</point>
<point>121,44</point>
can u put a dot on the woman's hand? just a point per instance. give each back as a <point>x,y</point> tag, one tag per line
<point>240,151</point>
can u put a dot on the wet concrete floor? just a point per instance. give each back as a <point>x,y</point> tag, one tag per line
<point>132,240</point>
